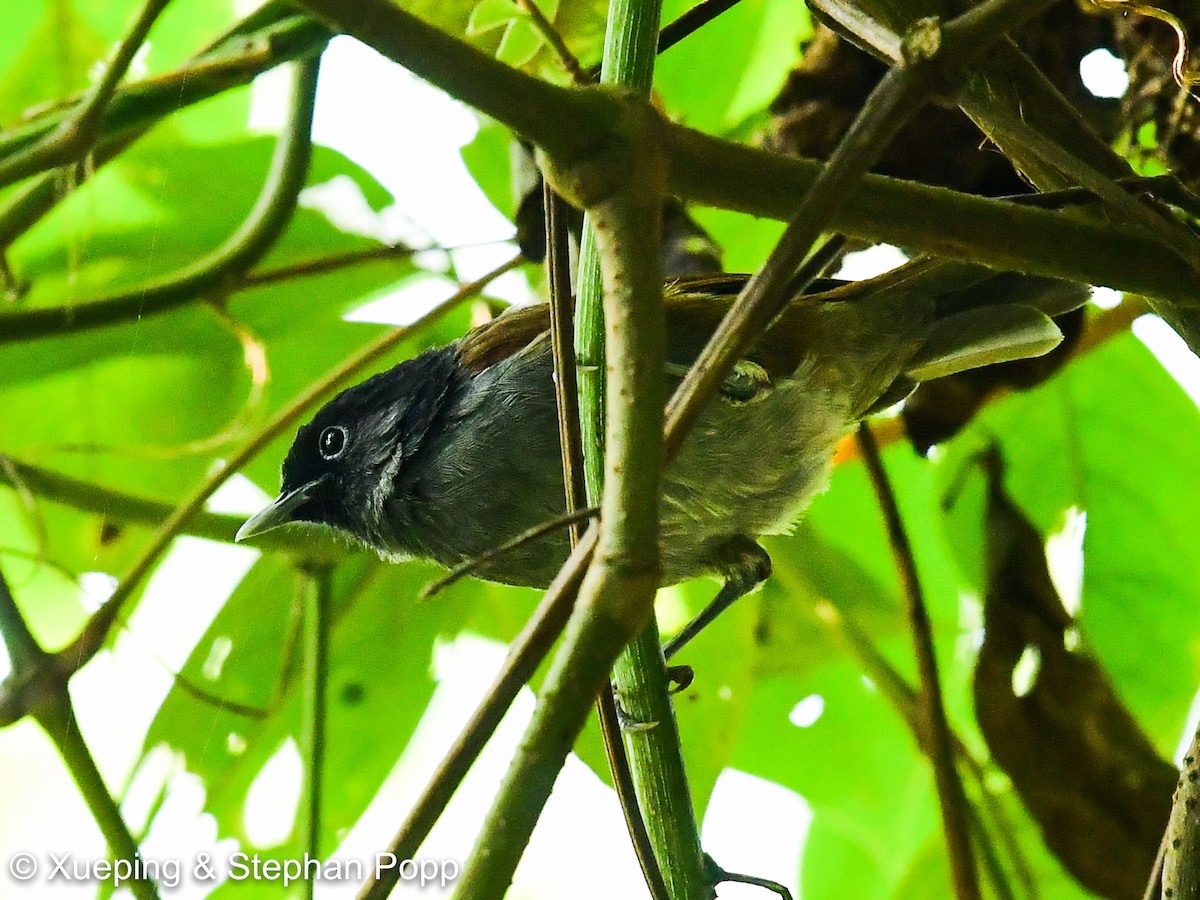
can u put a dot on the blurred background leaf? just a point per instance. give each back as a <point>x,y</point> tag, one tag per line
<point>801,684</point>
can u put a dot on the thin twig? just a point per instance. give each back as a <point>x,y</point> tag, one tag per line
<point>1154,881</point>
<point>892,102</point>
<point>626,790</point>
<point>562,346</point>
<point>571,520</point>
<point>57,719</point>
<point>765,883</point>
<point>955,813</point>
<point>322,264</point>
<point>550,34</point>
<point>905,699</point>
<point>193,690</point>
<point>692,21</point>
<point>10,473</point>
<point>112,504</point>
<point>274,34</point>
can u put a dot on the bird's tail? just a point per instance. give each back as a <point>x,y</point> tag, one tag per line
<point>931,319</point>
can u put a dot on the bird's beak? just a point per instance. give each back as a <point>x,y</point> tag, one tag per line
<point>279,512</point>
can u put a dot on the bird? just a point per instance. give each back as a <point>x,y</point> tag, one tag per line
<point>449,454</point>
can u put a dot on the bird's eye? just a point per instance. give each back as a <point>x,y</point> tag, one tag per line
<point>332,442</point>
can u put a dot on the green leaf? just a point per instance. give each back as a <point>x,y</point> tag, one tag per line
<point>520,43</point>
<point>782,28</point>
<point>95,422</point>
<point>488,159</point>
<point>489,14</point>
<point>745,240</point>
<point>183,29</point>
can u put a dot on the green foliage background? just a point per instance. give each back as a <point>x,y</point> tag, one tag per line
<point>147,408</point>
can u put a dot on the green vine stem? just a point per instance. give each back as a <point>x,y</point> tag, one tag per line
<point>314,587</point>
<point>566,396</point>
<point>662,813</point>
